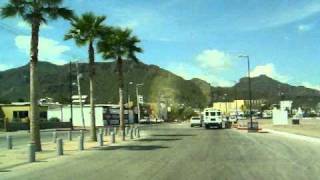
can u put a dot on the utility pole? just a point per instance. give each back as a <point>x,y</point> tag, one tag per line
<point>249,87</point>
<point>138,103</point>
<point>71,90</point>
<point>235,98</point>
<point>80,96</point>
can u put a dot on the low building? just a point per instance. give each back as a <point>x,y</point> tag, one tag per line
<point>237,105</point>
<point>105,114</point>
<point>20,111</point>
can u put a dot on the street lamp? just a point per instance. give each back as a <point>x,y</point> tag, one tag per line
<point>138,103</point>
<point>249,86</point>
<point>128,95</point>
<point>235,98</point>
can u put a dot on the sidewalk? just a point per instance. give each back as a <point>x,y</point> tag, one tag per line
<point>18,155</point>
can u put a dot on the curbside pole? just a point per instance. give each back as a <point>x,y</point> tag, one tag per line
<point>113,138</point>
<point>31,152</point>
<point>54,137</point>
<point>9,142</point>
<point>70,135</point>
<point>59,147</point>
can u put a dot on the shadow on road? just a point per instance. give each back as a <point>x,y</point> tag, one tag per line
<point>134,148</point>
<point>163,139</point>
<point>173,135</point>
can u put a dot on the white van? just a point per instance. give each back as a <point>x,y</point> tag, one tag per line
<point>195,121</point>
<point>212,117</point>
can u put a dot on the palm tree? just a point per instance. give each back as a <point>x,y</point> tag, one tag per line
<point>86,29</point>
<point>120,45</point>
<point>35,13</point>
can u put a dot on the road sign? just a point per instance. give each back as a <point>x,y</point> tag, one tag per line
<point>140,98</point>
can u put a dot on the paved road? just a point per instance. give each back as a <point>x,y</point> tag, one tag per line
<point>179,152</point>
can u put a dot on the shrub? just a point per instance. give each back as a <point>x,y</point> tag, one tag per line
<point>54,119</point>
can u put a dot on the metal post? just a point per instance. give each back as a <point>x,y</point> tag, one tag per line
<point>131,133</point>
<point>71,90</point>
<point>70,135</point>
<point>9,142</point>
<point>54,137</point>
<point>80,96</point>
<point>32,152</point>
<point>81,143</point>
<point>138,135</point>
<point>113,138</point>
<point>250,95</point>
<point>100,139</point>
<point>59,147</point>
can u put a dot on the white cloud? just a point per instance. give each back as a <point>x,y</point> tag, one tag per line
<point>304,27</point>
<point>24,25</point>
<point>212,58</point>
<point>268,70</point>
<point>49,50</point>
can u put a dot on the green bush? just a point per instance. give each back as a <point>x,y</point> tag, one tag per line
<point>54,119</point>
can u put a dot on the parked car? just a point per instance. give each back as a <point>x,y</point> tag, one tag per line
<point>195,121</point>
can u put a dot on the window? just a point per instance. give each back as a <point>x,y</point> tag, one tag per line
<point>43,114</point>
<point>23,114</point>
<point>218,113</point>
<point>207,113</point>
<point>20,114</point>
<point>213,113</point>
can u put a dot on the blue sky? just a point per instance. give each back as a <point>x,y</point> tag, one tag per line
<point>200,38</point>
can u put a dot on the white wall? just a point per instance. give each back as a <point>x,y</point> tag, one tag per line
<point>77,118</point>
<point>280,117</point>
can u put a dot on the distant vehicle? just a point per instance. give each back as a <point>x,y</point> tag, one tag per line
<point>233,119</point>
<point>212,118</point>
<point>195,121</point>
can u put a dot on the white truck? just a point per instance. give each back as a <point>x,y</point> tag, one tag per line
<point>212,118</point>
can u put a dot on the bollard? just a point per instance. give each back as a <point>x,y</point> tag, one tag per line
<point>113,138</point>
<point>32,152</point>
<point>54,137</point>
<point>70,135</point>
<point>131,133</point>
<point>138,132</point>
<point>59,147</point>
<point>81,145</point>
<point>135,131</point>
<point>126,130</point>
<point>100,139</point>
<point>9,142</point>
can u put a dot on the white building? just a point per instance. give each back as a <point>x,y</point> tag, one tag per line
<point>285,105</point>
<point>106,114</point>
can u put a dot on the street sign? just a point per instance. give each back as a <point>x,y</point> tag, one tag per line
<point>78,97</point>
<point>140,98</point>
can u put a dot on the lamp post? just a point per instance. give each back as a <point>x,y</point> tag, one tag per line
<point>138,103</point>
<point>128,95</point>
<point>235,98</point>
<point>71,90</point>
<point>249,87</point>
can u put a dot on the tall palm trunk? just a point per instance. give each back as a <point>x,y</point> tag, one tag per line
<point>92,83</point>
<point>34,108</point>
<point>120,79</point>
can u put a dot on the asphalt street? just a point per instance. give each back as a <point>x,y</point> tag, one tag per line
<point>176,151</point>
